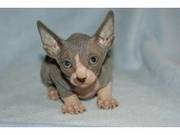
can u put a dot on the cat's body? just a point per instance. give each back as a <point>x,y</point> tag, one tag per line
<point>51,70</point>
<point>79,67</point>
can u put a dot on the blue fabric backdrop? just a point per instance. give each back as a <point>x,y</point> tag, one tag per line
<point>146,64</point>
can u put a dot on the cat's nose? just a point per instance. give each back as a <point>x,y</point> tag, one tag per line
<point>82,80</point>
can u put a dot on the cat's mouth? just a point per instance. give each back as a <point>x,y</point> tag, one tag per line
<point>83,82</point>
<point>79,83</point>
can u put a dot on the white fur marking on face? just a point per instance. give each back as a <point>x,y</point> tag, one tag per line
<point>82,72</point>
<point>80,68</point>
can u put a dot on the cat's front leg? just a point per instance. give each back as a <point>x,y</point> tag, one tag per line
<point>73,105</point>
<point>105,99</point>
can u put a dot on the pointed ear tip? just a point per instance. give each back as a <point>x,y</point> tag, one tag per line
<point>111,13</point>
<point>39,24</point>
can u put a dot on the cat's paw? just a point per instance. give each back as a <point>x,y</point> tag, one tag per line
<point>107,103</point>
<point>53,94</point>
<point>75,108</point>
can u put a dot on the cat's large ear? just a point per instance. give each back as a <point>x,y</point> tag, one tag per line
<point>104,36</point>
<point>51,42</point>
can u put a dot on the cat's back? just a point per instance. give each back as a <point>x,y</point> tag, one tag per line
<point>46,68</point>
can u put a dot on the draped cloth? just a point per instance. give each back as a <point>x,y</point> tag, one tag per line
<point>146,67</point>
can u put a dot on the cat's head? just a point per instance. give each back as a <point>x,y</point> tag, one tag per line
<point>80,57</point>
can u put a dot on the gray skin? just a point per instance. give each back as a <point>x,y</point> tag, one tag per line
<point>53,71</point>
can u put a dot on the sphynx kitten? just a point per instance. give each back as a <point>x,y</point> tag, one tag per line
<point>79,67</point>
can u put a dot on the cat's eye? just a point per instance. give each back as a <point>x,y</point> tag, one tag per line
<point>93,60</point>
<point>67,64</point>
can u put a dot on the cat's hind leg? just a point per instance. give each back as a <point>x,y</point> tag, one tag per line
<point>53,93</point>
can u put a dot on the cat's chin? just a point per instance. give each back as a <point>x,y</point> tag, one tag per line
<point>83,85</point>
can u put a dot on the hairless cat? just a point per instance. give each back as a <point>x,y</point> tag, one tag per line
<point>79,67</point>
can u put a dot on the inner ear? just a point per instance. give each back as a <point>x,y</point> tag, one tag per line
<point>51,42</point>
<point>104,36</point>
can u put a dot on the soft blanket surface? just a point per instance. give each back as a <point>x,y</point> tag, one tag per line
<point>146,62</point>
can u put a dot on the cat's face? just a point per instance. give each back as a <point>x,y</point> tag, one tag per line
<point>80,57</point>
